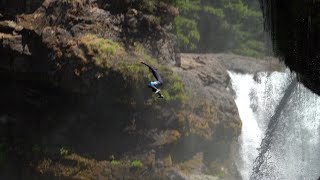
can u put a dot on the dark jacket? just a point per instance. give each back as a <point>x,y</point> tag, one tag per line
<point>155,73</point>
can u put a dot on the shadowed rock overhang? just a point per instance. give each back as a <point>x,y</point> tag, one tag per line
<point>295,32</point>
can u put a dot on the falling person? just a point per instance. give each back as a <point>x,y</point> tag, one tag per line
<point>154,85</point>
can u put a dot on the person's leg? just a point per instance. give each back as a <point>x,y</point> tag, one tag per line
<point>153,85</point>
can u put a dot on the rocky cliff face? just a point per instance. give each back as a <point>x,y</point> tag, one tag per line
<point>75,102</point>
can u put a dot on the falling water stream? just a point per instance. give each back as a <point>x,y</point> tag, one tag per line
<point>280,136</point>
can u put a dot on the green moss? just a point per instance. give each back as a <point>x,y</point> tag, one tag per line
<point>104,51</point>
<point>115,162</point>
<point>137,164</point>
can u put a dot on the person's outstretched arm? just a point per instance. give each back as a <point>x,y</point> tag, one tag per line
<point>154,72</point>
<point>146,64</point>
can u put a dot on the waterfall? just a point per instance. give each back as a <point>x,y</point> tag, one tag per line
<point>280,135</point>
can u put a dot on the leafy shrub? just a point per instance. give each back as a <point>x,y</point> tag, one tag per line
<point>136,164</point>
<point>63,151</point>
<point>115,162</point>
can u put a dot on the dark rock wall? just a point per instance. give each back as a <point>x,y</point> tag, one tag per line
<point>12,7</point>
<point>295,32</point>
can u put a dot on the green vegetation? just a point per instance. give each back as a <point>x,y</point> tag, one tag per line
<point>136,164</point>
<point>187,32</point>
<point>115,162</point>
<point>173,90</point>
<point>63,151</point>
<point>220,26</point>
<point>102,50</point>
<point>210,26</point>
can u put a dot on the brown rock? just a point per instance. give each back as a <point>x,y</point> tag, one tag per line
<point>9,26</point>
<point>167,161</point>
<point>212,103</point>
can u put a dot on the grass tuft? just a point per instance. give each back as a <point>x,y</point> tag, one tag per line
<point>104,51</point>
<point>136,164</point>
<point>115,162</point>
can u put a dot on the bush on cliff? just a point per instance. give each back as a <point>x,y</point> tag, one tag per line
<point>136,164</point>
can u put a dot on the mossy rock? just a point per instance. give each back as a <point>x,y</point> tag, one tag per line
<point>104,52</point>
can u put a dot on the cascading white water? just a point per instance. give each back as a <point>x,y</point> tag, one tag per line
<point>292,136</point>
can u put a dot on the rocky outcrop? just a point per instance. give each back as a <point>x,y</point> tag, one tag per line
<point>73,105</point>
<point>208,82</point>
<point>10,8</point>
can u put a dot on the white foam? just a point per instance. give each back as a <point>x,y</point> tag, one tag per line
<point>256,101</point>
